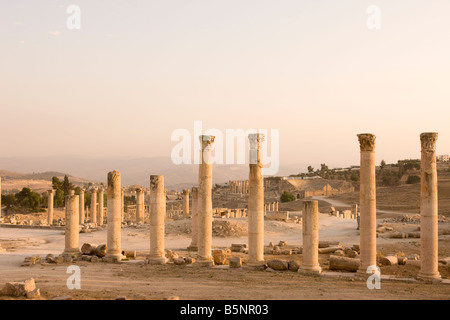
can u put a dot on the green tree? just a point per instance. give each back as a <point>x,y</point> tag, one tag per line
<point>29,199</point>
<point>67,186</point>
<point>56,183</point>
<point>9,200</point>
<point>310,169</point>
<point>287,197</point>
<point>382,164</point>
<point>58,201</point>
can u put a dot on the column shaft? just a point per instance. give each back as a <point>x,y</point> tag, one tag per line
<point>157,217</point>
<point>72,225</point>
<point>368,236</point>
<point>255,202</point>
<point>113,195</point>
<point>429,208</point>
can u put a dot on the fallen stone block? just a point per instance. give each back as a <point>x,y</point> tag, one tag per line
<point>19,289</point>
<point>293,265</point>
<point>344,263</point>
<point>35,294</point>
<point>388,261</point>
<point>278,265</point>
<point>329,249</point>
<point>326,244</point>
<point>219,257</point>
<point>235,262</point>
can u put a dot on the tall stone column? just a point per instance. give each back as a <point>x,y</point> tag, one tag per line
<point>114,220</point>
<point>428,208</point>
<point>51,194</point>
<point>368,236</point>
<point>186,203</point>
<point>194,220</point>
<point>72,245</point>
<point>100,213</point>
<point>256,203</point>
<point>310,218</point>
<point>122,204</point>
<point>81,206</point>
<point>157,217</point>
<point>140,205</point>
<point>94,205</point>
<point>205,203</point>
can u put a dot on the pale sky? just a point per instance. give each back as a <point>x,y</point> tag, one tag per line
<point>138,70</point>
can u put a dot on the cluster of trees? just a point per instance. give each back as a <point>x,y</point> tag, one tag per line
<point>25,199</point>
<point>30,201</point>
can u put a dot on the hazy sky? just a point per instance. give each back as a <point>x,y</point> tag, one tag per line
<point>138,70</point>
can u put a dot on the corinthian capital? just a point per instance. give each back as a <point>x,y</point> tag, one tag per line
<point>428,141</point>
<point>367,142</point>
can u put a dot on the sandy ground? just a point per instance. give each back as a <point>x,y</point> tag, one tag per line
<point>138,281</point>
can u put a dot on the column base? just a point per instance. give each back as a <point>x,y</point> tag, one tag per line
<point>204,263</point>
<point>310,270</point>
<point>73,253</point>
<point>435,277</point>
<point>156,260</point>
<point>255,265</point>
<point>112,258</point>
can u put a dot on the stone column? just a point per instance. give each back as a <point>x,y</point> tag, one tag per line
<point>0,196</point>
<point>355,210</point>
<point>94,205</point>
<point>114,197</point>
<point>122,204</point>
<point>140,205</point>
<point>194,220</point>
<point>157,216</point>
<point>368,236</point>
<point>428,209</point>
<point>276,206</point>
<point>255,203</point>
<point>310,220</point>
<point>72,245</point>
<point>81,206</point>
<point>205,203</point>
<point>100,214</point>
<point>50,207</point>
<point>186,203</point>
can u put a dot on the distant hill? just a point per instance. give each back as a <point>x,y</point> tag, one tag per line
<point>133,170</point>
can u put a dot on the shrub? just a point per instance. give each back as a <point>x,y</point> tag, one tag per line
<point>287,197</point>
<point>413,179</point>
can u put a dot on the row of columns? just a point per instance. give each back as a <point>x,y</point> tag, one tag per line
<point>96,207</point>
<point>114,219</point>
<point>428,206</point>
<point>202,211</point>
<point>273,206</point>
<point>239,186</point>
